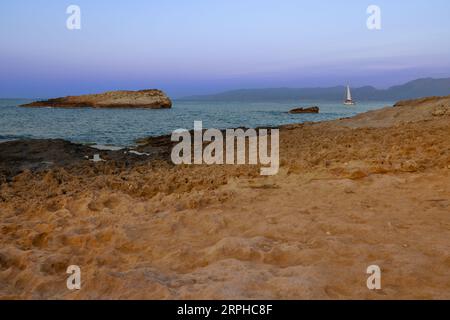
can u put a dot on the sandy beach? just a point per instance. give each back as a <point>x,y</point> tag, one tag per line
<point>372,189</point>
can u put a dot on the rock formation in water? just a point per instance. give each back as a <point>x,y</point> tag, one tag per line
<point>305,110</point>
<point>151,99</point>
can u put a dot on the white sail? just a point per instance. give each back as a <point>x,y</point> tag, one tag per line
<point>349,94</point>
<point>348,97</point>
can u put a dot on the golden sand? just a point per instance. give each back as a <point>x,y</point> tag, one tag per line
<point>373,189</point>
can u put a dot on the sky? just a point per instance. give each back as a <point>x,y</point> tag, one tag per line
<point>208,46</point>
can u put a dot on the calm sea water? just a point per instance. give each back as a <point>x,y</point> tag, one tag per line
<point>121,127</point>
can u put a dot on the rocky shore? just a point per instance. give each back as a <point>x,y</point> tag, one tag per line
<point>371,189</point>
<point>151,99</point>
<point>40,155</point>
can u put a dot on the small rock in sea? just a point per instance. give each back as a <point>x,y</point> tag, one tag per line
<point>305,110</point>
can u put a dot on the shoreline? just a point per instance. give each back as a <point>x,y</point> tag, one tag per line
<point>277,116</point>
<point>54,153</point>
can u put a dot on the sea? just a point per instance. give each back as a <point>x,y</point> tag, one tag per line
<point>122,127</point>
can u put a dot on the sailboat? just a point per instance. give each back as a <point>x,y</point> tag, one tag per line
<point>348,98</point>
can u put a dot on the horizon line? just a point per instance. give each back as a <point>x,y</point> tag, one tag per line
<point>246,89</point>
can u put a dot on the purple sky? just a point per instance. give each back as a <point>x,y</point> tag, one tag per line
<point>206,46</point>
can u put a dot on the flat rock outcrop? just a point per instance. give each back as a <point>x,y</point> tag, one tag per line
<point>305,110</point>
<point>151,99</point>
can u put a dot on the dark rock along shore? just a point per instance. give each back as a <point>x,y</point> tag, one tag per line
<point>43,154</point>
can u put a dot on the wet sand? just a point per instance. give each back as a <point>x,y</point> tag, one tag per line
<point>373,189</point>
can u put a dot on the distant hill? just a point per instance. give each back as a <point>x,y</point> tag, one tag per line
<point>411,90</point>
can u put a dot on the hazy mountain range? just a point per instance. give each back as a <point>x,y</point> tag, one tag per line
<point>413,89</point>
